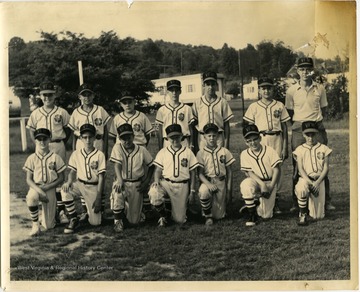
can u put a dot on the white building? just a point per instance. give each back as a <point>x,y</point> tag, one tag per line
<point>250,90</point>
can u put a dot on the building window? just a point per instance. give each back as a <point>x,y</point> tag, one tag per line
<point>191,88</point>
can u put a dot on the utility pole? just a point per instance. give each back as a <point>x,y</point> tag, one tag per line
<point>241,83</point>
<point>181,63</point>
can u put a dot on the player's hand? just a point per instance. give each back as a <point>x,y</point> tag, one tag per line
<point>66,187</point>
<point>314,189</point>
<point>118,186</point>
<point>264,188</point>
<point>155,184</point>
<point>212,188</point>
<point>97,205</point>
<point>143,187</point>
<point>43,197</point>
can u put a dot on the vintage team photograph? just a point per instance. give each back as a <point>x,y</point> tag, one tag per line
<point>179,146</point>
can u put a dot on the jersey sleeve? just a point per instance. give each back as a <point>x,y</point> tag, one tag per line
<point>72,162</point>
<point>284,114</point>
<point>72,121</point>
<point>116,154</point>
<point>102,163</point>
<point>160,116</point>
<point>159,158</point>
<point>31,124</point>
<point>190,116</point>
<point>249,114</point>
<point>112,130</point>
<point>297,152</point>
<point>229,158</point>
<point>29,164</point>
<point>148,160</point>
<point>66,118</point>
<point>193,162</point>
<point>195,111</point>
<point>200,158</point>
<point>245,164</point>
<point>226,111</point>
<point>60,164</point>
<point>148,127</point>
<point>105,116</point>
<point>328,151</point>
<point>323,98</point>
<point>274,157</point>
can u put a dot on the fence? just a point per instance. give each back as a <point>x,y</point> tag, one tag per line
<point>22,120</point>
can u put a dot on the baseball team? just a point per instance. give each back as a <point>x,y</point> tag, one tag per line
<point>167,184</point>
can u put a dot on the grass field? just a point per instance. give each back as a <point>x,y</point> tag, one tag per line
<point>275,249</point>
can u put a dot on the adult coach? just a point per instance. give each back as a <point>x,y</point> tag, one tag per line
<point>306,101</point>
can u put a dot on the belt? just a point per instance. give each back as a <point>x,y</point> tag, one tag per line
<point>177,182</point>
<point>99,137</point>
<point>56,141</point>
<point>88,182</point>
<point>220,178</point>
<point>270,133</point>
<point>266,179</point>
<point>132,180</point>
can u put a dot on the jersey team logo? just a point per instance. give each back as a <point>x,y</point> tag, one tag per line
<point>181,116</point>
<point>137,127</point>
<point>222,158</point>
<point>277,113</point>
<point>94,165</point>
<point>320,155</point>
<point>58,119</point>
<point>184,162</point>
<point>52,165</point>
<point>98,121</point>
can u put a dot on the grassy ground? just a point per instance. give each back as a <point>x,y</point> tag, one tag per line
<point>276,249</point>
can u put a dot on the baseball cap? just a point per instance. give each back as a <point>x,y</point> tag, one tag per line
<point>309,127</point>
<point>305,62</point>
<point>87,128</point>
<point>210,127</point>
<point>85,87</point>
<point>265,81</point>
<point>173,130</point>
<point>124,97</point>
<point>125,129</point>
<point>173,83</point>
<point>250,130</point>
<point>209,76</point>
<point>42,132</point>
<point>47,87</point>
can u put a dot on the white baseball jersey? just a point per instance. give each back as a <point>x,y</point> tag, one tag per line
<point>312,158</point>
<point>267,117</point>
<point>306,104</point>
<point>181,114</point>
<point>215,161</point>
<point>88,165</point>
<point>132,163</point>
<point>98,117</point>
<point>55,121</point>
<point>140,123</point>
<point>45,169</point>
<point>176,165</point>
<point>262,164</point>
<point>217,112</point>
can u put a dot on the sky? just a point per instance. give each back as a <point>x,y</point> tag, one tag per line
<point>236,23</point>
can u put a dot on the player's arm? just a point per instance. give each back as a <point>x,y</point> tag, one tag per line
<point>229,179</point>
<point>75,137</point>
<point>302,172</point>
<point>157,175</point>
<point>227,134</point>
<point>275,177</point>
<point>55,183</point>
<point>160,136</point>
<point>191,138</point>
<point>97,203</point>
<point>145,183</point>
<point>30,182</point>
<point>192,186</point>
<point>323,111</point>
<point>106,141</point>
<point>203,179</point>
<point>119,183</point>
<point>261,183</point>
<point>285,151</point>
<point>323,174</point>
<point>147,137</point>
<point>70,180</point>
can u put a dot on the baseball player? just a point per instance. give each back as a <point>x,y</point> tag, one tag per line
<point>86,178</point>
<point>89,113</point>
<point>56,120</point>
<point>44,171</point>
<point>261,166</point>
<point>211,108</point>
<point>130,161</point>
<point>312,159</point>
<point>175,112</point>
<point>270,116</point>
<point>306,101</point>
<point>176,164</point>
<point>215,175</point>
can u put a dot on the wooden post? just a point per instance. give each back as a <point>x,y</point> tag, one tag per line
<point>23,134</point>
<point>81,76</point>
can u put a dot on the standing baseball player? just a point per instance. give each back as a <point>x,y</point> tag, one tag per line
<point>312,160</point>
<point>211,108</point>
<point>130,162</point>
<point>175,112</point>
<point>215,174</point>
<point>86,178</point>
<point>270,116</point>
<point>56,120</point>
<point>89,113</point>
<point>306,101</point>
<point>261,166</point>
<point>44,171</point>
<point>176,164</point>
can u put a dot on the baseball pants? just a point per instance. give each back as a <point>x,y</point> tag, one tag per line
<point>89,193</point>
<point>48,209</point>
<point>216,202</point>
<point>316,205</point>
<point>250,190</point>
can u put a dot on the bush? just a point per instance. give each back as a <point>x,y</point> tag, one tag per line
<point>338,98</point>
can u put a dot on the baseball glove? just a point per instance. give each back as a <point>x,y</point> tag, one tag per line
<point>266,195</point>
<point>314,191</point>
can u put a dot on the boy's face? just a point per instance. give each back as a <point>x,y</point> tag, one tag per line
<point>266,91</point>
<point>88,138</point>
<point>211,139</point>
<point>253,142</point>
<point>174,93</point>
<point>128,105</point>
<point>42,142</point>
<point>127,140</point>
<point>210,87</point>
<point>48,99</point>
<point>175,141</point>
<point>305,72</point>
<point>310,138</point>
<point>87,98</point>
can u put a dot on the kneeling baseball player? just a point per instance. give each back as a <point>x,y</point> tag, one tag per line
<point>86,178</point>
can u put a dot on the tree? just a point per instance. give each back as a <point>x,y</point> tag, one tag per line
<point>338,97</point>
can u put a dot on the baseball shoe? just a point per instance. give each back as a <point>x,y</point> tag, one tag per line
<point>209,221</point>
<point>74,222</point>
<point>294,209</point>
<point>277,209</point>
<point>35,229</point>
<point>302,219</point>
<point>83,216</point>
<point>329,207</point>
<point>162,222</point>
<point>63,219</point>
<point>142,217</point>
<point>119,226</point>
<point>251,221</point>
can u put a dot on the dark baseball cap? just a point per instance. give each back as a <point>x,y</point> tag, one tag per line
<point>250,130</point>
<point>85,87</point>
<point>125,129</point>
<point>173,130</point>
<point>209,76</point>
<point>126,97</point>
<point>47,87</point>
<point>309,127</point>
<point>173,83</point>
<point>87,128</point>
<point>305,62</point>
<point>42,132</point>
<point>265,81</point>
<point>210,127</point>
